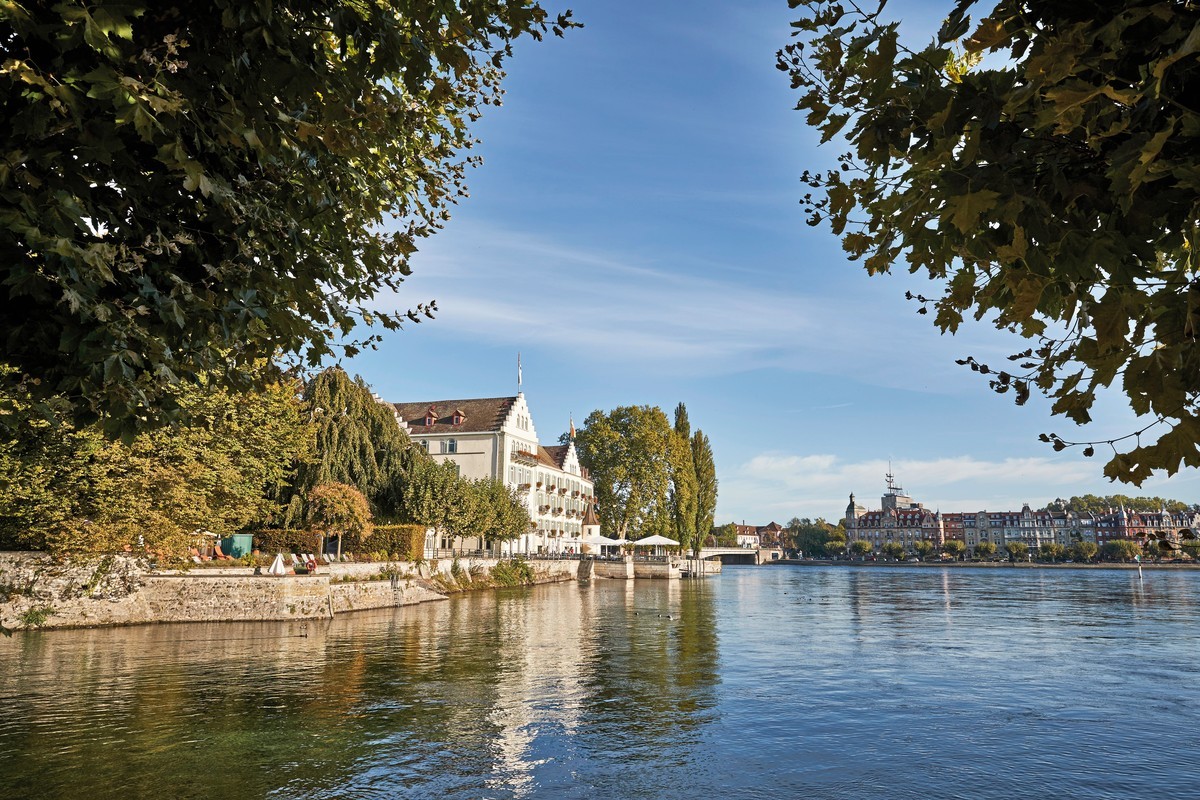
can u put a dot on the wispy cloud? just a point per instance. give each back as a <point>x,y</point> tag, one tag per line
<point>660,313</point>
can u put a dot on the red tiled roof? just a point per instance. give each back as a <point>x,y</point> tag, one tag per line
<point>479,416</point>
<point>553,456</point>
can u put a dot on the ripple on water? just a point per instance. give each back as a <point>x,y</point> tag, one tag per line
<point>771,682</point>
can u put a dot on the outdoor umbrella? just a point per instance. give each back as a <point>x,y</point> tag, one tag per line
<point>598,541</point>
<point>654,541</point>
<point>650,541</point>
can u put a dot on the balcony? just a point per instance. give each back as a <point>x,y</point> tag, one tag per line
<point>525,457</point>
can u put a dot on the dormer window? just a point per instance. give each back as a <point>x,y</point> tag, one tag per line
<point>458,417</point>
<point>430,417</point>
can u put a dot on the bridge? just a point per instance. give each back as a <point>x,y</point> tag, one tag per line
<point>741,555</point>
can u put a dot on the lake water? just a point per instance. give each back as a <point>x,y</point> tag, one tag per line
<point>766,682</point>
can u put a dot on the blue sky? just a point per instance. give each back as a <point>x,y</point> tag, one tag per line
<point>635,233</point>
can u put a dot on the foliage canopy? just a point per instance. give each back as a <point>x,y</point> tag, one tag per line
<point>68,489</point>
<point>188,190</point>
<point>684,492</point>
<point>1042,166</point>
<point>358,442</point>
<point>629,453</point>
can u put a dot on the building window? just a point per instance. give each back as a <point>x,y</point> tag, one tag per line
<point>449,446</point>
<point>425,445</point>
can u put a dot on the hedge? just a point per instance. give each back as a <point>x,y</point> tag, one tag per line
<point>404,541</point>
<point>286,540</point>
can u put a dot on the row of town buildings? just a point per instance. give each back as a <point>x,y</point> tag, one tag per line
<point>902,520</point>
<point>495,438</point>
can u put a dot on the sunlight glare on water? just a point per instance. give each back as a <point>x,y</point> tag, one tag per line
<point>765,682</point>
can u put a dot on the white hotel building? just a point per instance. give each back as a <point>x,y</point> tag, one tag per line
<point>495,438</point>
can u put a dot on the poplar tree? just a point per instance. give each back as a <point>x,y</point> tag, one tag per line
<point>683,496</point>
<point>706,484</point>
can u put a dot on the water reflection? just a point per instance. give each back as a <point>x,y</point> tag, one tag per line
<point>765,682</point>
<point>509,692</point>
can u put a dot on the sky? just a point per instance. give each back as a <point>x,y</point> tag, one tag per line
<point>635,233</point>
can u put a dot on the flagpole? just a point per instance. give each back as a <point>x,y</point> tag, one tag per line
<point>518,372</point>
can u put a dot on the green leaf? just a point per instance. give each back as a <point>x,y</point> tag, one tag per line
<point>965,210</point>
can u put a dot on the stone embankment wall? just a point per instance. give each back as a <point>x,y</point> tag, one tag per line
<point>619,569</point>
<point>122,590</point>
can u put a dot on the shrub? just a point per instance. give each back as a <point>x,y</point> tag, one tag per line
<point>37,616</point>
<point>512,573</point>
<point>287,540</point>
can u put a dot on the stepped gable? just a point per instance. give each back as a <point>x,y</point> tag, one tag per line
<point>481,415</point>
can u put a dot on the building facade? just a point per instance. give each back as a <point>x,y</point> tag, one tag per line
<point>902,520</point>
<point>495,438</point>
<point>899,520</point>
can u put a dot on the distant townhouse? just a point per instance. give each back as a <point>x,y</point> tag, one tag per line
<point>899,520</point>
<point>755,536</point>
<point>1139,526</point>
<point>952,526</point>
<point>769,534</point>
<point>902,520</point>
<point>748,536</point>
<point>495,438</point>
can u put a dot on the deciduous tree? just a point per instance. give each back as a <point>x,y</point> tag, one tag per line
<point>706,483</point>
<point>1096,504</point>
<point>358,442</point>
<point>430,493</point>
<point>69,489</point>
<point>1121,550</point>
<point>188,189</point>
<point>338,509</point>
<point>507,516</point>
<point>954,548</point>
<point>1083,551</point>
<point>683,499</point>
<point>1040,165</point>
<point>1017,551</point>
<point>1052,551</point>
<point>726,535</point>
<point>861,547</point>
<point>628,451</point>
<point>985,549</point>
